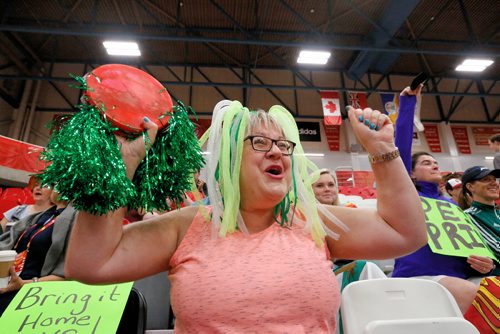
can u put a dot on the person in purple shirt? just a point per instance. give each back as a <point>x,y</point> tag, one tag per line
<point>450,271</point>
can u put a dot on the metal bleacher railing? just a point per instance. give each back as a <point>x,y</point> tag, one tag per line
<point>345,176</point>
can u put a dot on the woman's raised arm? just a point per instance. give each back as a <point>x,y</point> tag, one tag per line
<point>101,250</point>
<point>397,226</point>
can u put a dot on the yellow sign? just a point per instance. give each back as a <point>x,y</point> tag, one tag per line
<point>66,307</point>
<point>450,230</point>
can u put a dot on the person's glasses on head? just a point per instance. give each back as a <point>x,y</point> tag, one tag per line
<point>264,144</point>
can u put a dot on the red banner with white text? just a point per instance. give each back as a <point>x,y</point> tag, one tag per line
<point>482,134</point>
<point>461,138</point>
<point>331,107</point>
<point>357,100</point>
<point>432,136</point>
<point>332,133</point>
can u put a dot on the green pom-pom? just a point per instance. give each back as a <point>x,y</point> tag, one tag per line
<point>86,166</point>
<point>85,163</point>
<point>167,170</point>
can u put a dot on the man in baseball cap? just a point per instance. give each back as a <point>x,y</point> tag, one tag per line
<point>482,185</point>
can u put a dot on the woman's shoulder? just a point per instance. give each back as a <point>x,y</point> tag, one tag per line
<point>186,215</point>
<point>16,213</point>
<point>181,219</point>
<point>192,227</point>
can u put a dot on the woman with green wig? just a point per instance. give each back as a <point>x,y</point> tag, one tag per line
<point>257,258</point>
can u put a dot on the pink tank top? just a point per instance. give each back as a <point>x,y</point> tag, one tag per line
<point>274,281</point>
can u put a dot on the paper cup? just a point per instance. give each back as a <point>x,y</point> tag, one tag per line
<point>7,259</point>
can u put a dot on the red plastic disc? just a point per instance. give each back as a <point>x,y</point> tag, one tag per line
<point>126,95</point>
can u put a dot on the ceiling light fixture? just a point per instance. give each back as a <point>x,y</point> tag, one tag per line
<point>314,154</point>
<point>115,48</point>
<point>489,158</point>
<point>474,65</point>
<point>313,57</point>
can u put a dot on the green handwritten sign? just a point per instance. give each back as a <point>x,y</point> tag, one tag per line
<point>450,230</point>
<point>66,307</point>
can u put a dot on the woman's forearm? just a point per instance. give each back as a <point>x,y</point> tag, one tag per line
<point>50,278</point>
<point>398,202</point>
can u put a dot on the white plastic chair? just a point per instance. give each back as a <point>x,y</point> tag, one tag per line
<point>410,301</point>
<point>387,266</point>
<point>353,199</point>
<point>370,271</point>
<point>453,325</point>
<point>367,203</point>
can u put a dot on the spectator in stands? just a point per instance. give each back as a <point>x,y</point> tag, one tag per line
<point>41,196</point>
<point>261,265</point>
<point>463,200</point>
<point>134,215</point>
<point>195,197</point>
<point>495,146</point>
<point>326,192</point>
<point>481,184</point>
<point>444,179</point>
<point>40,241</point>
<point>199,195</point>
<point>450,271</point>
<point>326,189</point>
<point>200,185</point>
<point>453,189</point>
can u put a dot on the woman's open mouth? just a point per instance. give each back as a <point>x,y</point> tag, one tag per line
<point>274,170</point>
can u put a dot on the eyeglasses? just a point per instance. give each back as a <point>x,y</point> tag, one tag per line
<point>264,144</point>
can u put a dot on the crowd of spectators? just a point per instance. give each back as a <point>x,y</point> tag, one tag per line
<point>267,217</point>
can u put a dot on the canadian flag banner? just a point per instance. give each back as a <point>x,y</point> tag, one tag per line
<point>331,107</point>
<point>357,100</point>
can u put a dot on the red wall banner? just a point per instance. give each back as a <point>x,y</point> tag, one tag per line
<point>357,99</point>
<point>202,125</point>
<point>481,134</point>
<point>432,135</point>
<point>461,138</point>
<point>20,155</point>
<point>333,136</point>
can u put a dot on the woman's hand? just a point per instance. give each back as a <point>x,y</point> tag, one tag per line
<point>408,91</point>
<point>373,130</point>
<point>134,151</point>
<point>481,264</point>
<point>15,283</point>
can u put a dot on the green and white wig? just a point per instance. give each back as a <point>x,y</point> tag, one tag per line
<point>231,123</point>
